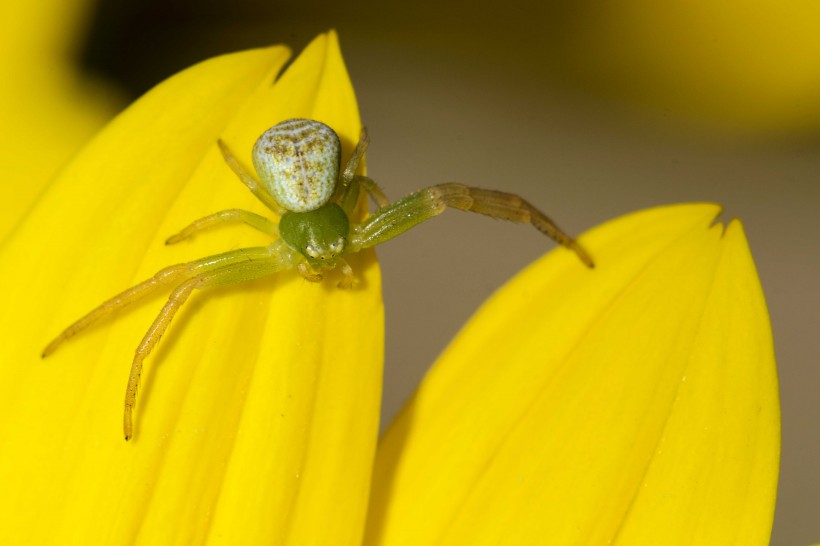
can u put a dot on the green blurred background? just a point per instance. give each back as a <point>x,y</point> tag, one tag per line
<point>589,109</point>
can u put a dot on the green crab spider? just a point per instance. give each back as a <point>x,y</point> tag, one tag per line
<point>298,163</point>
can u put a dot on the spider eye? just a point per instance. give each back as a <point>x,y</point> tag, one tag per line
<point>337,246</point>
<point>311,251</point>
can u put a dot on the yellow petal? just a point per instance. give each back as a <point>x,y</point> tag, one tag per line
<point>49,110</point>
<point>631,404</point>
<point>257,415</point>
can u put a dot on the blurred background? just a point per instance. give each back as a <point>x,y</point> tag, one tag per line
<point>589,109</point>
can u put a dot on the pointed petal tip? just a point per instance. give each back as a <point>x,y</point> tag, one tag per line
<point>629,344</point>
<point>316,445</point>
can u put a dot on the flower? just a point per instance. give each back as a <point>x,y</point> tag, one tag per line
<point>232,442</point>
<point>48,109</point>
<point>634,403</point>
<point>631,404</point>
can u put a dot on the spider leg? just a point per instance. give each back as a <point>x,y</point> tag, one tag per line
<point>231,215</point>
<point>348,278</point>
<point>160,324</point>
<point>248,179</point>
<point>228,274</point>
<point>162,278</point>
<point>308,273</point>
<point>426,203</point>
<point>374,190</point>
<point>347,191</point>
<point>350,197</point>
<point>355,159</point>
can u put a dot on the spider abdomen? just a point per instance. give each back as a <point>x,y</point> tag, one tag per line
<point>298,162</point>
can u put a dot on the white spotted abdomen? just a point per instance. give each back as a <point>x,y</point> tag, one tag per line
<point>298,160</point>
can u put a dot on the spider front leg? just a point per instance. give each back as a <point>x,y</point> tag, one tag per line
<point>398,217</point>
<point>279,257</point>
<point>121,300</point>
<point>164,277</point>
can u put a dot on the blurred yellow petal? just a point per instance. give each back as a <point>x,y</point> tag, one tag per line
<point>258,412</point>
<point>49,109</point>
<point>631,404</point>
<point>749,66</point>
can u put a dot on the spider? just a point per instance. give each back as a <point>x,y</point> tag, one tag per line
<point>298,162</point>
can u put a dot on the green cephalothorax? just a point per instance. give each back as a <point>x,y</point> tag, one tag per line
<point>319,235</point>
<point>299,179</point>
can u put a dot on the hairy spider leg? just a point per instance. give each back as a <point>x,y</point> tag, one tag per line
<point>162,278</point>
<point>248,179</point>
<point>277,258</point>
<point>426,203</point>
<point>224,216</point>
